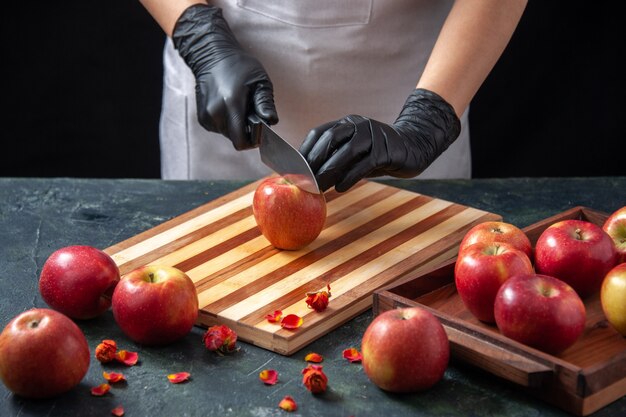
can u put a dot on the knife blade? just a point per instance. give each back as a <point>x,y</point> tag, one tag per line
<point>281,157</point>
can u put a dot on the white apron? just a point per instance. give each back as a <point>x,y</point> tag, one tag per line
<point>326,59</point>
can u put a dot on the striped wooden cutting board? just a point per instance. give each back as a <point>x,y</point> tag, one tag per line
<point>374,234</point>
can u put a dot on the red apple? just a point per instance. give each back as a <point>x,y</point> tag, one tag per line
<point>155,304</point>
<point>78,281</point>
<point>495,231</point>
<point>481,269</point>
<point>613,297</point>
<point>43,353</point>
<point>405,350</point>
<point>577,252</point>
<point>540,311</point>
<point>289,217</point>
<point>615,226</point>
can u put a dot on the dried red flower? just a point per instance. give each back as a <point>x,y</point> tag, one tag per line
<point>118,411</point>
<point>268,376</point>
<point>288,404</point>
<point>291,321</point>
<point>352,355</point>
<point>100,390</point>
<point>314,379</point>
<point>113,377</point>
<point>275,316</point>
<point>179,377</point>
<point>220,339</point>
<point>314,357</point>
<point>126,357</point>
<point>318,300</point>
<point>105,351</point>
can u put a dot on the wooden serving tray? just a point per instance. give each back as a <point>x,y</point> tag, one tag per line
<point>374,234</point>
<point>582,379</point>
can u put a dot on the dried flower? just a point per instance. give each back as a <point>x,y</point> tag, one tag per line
<point>220,339</point>
<point>314,379</point>
<point>318,300</point>
<point>105,351</point>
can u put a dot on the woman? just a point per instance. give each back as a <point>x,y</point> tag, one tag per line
<point>410,67</point>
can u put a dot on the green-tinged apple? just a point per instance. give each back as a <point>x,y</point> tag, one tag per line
<point>155,304</point>
<point>497,231</point>
<point>613,297</point>
<point>577,252</point>
<point>43,353</point>
<point>289,217</point>
<point>615,226</point>
<point>540,311</point>
<point>405,350</point>
<point>480,270</point>
<point>78,281</point>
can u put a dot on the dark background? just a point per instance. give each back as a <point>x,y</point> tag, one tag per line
<point>82,89</point>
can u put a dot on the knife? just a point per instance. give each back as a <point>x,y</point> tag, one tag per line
<point>281,157</point>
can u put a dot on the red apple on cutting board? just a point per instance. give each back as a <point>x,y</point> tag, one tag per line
<point>289,217</point>
<point>615,226</point>
<point>578,252</point>
<point>405,350</point>
<point>78,281</point>
<point>481,269</point>
<point>498,231</point>
<point>155,304</point>
<point>43,353</point>
<point>540,311</point>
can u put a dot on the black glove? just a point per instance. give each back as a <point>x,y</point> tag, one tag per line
<point>230,83</point>
<point>345,151</point>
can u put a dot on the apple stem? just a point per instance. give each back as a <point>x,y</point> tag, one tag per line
<point>151,276</point>
<point>33,324</point>
<point>579,234</point>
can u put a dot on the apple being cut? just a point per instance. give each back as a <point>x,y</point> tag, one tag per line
<point>43,353</point>
<point>481,269</point>
<point>615,227</point>
<point>289,217</point>
<point>577,252</point>
<point>405,350</point>
<point>613,297</point>
<point>497,231</point>
<point>155,304</point>
<point>540,311</point>
<point>78,281</point>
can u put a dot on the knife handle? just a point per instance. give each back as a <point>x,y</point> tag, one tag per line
<point>254,130</point>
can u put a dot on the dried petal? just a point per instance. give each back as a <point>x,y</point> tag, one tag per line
<point>100,390</point>
<point>105,351</point>
<point>291,321</point>
<point>288,404</point>
<point>178,377</point>
<point>318,301</point>
<point>220,339</point>
<point>118,411</point>
<point>313,357</point>
<point>314,379</point>
<point>352,355</point>
<point>113,377</point>
<point>126,357</point>
<point>268,376</point>
<point>274,317</point>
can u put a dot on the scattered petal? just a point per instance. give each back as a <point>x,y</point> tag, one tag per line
<point>178,377</point>
<point>126,357</point>
<point>352,355</point>
<point>113,377</point>
<point>314,379</point>
<point>274,317</point>
<point>100,390</point>
<point>291,321</point>
<point>318,300</point>
<point>118,411</point>
<point>220,339</point>
<point>105,351</point>
<point>288,404</point>
<point>268,376</point>
<point>314,357</point>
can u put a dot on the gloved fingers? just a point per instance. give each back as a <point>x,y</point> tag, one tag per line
<point>349,164</point>
<point>237,120</point>
<point>313,136</point>
<point>356,173</point>
<point>263,101</point>
<point>329,143</point>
